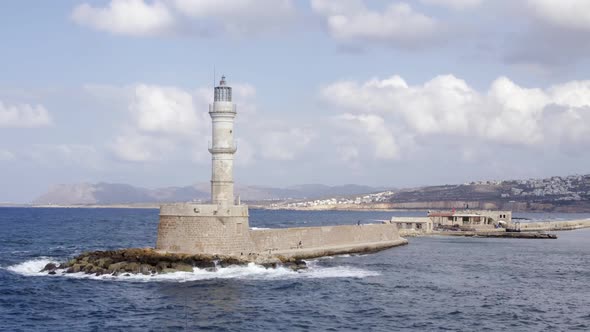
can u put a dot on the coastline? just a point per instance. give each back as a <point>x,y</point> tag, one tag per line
<point>83,206</point>
<point>364,208</point>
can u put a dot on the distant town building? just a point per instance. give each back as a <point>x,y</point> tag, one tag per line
<point>407,225</point>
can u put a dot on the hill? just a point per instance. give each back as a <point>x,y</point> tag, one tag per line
<point>563,194</point>
<point>117,193</point>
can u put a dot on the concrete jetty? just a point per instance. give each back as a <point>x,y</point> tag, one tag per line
<point>509,235</point>
<point>552,225</point>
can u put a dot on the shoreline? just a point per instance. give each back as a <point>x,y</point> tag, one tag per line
<point>156,206</point>
<point>252,207</point>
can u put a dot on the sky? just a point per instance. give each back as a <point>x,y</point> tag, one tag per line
<point>384,92</point>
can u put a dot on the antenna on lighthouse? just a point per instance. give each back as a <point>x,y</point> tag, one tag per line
<point>214,77</point>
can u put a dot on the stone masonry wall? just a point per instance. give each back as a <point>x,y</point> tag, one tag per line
<point>288,239</point>
<point>554,225</point>
<point>202,234</point>
<point>204,228</point>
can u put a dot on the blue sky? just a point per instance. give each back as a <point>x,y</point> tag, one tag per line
<point>388,93</point>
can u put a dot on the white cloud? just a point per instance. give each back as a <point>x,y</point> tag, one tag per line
<point>442,102</point>
<point>570,14</point>
<point>127,17</point>
<point>65,155</point>
<point>448,107</point>
<point>573,94</point>
<point>6,155</point>
<point>454,4</point>
<point>284,144</point>
<point>398,24</point>
<point>161,118</point>
<point>348,153</point>
<point>144,18</point>
<point>240,17</point>
<point>136,147</point>
<point>374,127</point>
<point>513,113</point>
<point>171,123</point>
<point>546,35</point>
<point>167,110</point>
<point>24,116</point>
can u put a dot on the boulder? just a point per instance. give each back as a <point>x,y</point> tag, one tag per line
<point>162,265</point>
<point>133,267</point>
<point>74,268</point>
<point>89,268</point>
<point>147,269</point>
<point>271,265</point>
<point>98,271</point>
<point>103,262</point>
<point>301,265</point>
<point>49,267</point>
<point>182,267</point>
<point>295,265</point>
<point>116,267</point>
<point>168,270</point>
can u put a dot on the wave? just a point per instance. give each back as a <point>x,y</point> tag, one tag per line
<point>249,272</point>
<point>31,267</point>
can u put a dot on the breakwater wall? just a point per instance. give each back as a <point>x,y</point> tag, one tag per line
<point>327,240</point>
<point>554,225</point>
<point>502,234</point>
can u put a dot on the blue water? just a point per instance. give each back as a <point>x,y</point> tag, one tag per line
<point>434,283</point>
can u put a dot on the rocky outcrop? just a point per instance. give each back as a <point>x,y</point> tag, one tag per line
<point>148,261</point>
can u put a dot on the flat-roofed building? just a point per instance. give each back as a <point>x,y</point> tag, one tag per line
<point>410,225</point>
<point>476,219</point>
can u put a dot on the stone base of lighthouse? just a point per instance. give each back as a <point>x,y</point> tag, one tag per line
<point>204,229</point>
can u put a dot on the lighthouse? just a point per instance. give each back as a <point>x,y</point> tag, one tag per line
<point>222,227</point>
<point>223,147</point>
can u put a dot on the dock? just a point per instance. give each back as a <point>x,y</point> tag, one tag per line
<point>510,235</point>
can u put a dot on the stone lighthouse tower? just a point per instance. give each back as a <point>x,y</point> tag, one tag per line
<point>223,113</point>
<point>220,227</point>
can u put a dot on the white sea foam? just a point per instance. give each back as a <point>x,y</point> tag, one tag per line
<point>249,272</point>
<point>32,267</point>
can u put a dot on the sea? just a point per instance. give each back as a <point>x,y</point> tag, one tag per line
<point>433,284</point>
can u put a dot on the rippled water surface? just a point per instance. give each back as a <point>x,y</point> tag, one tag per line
<point>435,283</point>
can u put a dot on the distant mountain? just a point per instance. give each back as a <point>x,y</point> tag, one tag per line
<point>117,193</point>
<point>565,194</point>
